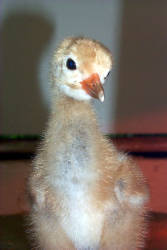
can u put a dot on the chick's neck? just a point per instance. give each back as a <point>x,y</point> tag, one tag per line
<point>68,111</point>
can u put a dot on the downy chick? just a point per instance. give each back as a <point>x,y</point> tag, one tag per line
<point>86,195</point>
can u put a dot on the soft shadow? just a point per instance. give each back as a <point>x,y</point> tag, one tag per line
<point>24,38</point>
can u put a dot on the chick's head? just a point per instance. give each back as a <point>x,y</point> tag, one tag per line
<point>80,67</point>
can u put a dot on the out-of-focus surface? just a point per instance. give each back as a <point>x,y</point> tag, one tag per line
<point>13,234</point>
<point>141,103</point>
<point>13,179</point>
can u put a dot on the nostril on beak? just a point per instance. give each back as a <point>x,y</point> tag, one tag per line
<point>93,87</point>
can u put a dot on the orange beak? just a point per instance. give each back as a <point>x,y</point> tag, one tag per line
<point>93,87</point>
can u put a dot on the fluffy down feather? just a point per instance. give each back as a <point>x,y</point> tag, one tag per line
<point>86,195</point>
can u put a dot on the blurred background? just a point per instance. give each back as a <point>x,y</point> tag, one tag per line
<point>135,93</point>
<point>136,33</point>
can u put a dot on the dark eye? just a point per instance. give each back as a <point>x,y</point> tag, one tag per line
<point>107,74</point>
<point>71,64</point>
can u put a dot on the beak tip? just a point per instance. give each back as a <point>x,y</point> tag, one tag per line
<point>101,96</point>
<point>93,87</point>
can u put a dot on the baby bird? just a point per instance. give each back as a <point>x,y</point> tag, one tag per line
<point>85,194</point>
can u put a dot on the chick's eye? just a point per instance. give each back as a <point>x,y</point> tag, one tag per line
<point>70,64</point>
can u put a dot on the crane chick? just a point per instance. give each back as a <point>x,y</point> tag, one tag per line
<point>85,194</point>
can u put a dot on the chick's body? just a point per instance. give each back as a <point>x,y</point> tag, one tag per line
<point>86,195</point>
